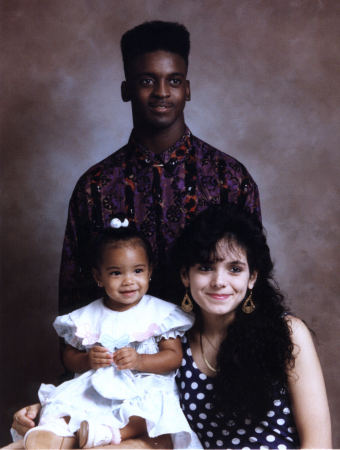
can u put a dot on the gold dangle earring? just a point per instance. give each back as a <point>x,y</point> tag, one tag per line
<point>187,305</point>
<point>248,306</point>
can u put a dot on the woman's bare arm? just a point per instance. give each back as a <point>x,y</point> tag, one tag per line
<point>307,390</point>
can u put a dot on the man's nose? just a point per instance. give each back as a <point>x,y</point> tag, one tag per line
<point>161,89</point>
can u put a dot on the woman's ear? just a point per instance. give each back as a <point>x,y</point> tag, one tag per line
<point>184,277</point>
<point>97,277</point>
<point>252,280</point>
<point>124,90</point>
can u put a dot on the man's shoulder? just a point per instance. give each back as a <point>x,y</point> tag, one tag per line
<point>104,167</point>
<point>212,153</point>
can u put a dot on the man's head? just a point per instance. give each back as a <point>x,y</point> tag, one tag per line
<point>155,56</point>
<point>156,35</point>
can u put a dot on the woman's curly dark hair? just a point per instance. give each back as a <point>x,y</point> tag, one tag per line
<point>253,358</point>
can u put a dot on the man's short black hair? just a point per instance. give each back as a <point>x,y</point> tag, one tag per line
<point>152,36</point>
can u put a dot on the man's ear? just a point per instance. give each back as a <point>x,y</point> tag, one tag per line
<point>184,277</point>
<point>124,90</point>
<point>187,91</point>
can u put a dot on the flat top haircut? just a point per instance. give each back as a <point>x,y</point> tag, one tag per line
<point>152,36</point>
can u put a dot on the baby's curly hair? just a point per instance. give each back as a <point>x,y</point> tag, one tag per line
<point>253,359</point>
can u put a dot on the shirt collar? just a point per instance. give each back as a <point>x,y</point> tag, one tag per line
<point>171,157</point>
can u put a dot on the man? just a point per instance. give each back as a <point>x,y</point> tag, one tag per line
<point>160,180</point>
<point>163,177</point>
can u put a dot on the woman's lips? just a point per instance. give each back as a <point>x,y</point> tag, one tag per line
<point>219,296</point>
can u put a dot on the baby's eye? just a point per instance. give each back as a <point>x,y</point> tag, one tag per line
<point>115,273</point>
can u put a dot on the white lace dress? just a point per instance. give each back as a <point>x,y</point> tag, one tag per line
<point>110,396</point>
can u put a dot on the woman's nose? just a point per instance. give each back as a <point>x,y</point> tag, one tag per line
<point>218,280</point>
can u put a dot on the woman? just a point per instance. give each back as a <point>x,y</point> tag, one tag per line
<point>250,377</point>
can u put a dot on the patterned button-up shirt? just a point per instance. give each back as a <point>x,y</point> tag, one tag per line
<point>160,193</point>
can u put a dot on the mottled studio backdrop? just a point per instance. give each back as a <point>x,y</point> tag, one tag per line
<point>265,79</point>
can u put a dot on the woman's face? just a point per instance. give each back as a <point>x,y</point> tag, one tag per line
<point>220,286</point>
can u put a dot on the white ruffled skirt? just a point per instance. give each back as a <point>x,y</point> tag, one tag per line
<point>109,396</point>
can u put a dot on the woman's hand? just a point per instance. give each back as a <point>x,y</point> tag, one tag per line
<point>99,357</point>
<point>23,419</point>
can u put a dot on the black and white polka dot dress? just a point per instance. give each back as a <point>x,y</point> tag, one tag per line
<point>276,430</point>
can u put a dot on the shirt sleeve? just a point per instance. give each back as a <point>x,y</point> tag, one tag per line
<point>76,285</point>
<point>251,197</point>
<point>237,186</point>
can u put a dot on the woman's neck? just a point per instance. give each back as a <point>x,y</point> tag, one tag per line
<point>214,325</point>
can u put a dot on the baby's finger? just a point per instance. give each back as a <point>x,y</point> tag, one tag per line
<point>99,349</point>
<point>121,359</point>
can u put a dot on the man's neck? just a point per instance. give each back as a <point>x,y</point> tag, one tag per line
<point>158,140</point>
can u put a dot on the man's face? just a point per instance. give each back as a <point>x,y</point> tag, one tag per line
<point>158,89</point>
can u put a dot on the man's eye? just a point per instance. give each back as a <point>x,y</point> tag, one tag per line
<point>145,82</point>
<point>175,81</point>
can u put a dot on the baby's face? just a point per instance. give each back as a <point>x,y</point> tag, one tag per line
<point>124,273</point>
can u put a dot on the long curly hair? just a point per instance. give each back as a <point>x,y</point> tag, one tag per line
<point>253,358</point>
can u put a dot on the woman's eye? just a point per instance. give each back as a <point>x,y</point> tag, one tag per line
<point>236,269</point>
<point>203,268</point>
<point>139,270</point>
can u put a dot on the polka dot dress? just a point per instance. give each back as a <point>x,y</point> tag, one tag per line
<point>275,431</point>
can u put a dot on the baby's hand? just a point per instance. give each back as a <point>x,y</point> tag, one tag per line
<point>99,357</point>
<point>126,358</point>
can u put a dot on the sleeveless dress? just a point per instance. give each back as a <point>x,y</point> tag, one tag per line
<point>108,395</point>
<point>275,431</point>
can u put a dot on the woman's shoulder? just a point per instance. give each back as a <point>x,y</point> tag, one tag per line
<point>301,336</point>
<point>298,328</point>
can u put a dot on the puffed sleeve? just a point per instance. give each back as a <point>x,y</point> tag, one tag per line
<point>66,329</point>
<point>175,324</point>
<point>79,328</point>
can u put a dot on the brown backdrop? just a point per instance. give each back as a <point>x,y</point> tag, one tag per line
<point>265,85</point>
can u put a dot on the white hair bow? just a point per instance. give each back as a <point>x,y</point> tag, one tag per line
<point>117,223</point>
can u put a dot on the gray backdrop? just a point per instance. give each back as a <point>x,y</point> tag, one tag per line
<point>265,88</point>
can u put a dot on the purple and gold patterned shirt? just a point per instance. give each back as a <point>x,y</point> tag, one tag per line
<point>160,193</point>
